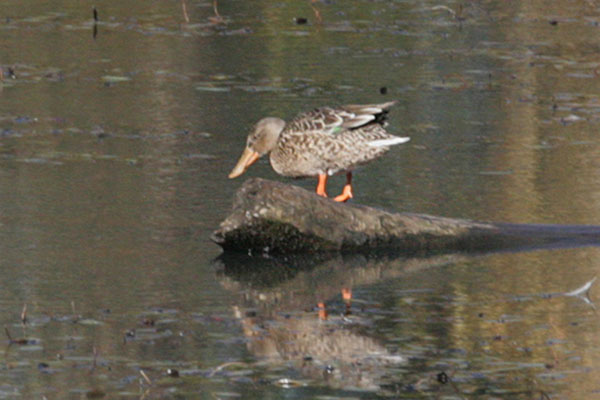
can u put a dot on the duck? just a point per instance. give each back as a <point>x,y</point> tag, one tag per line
<point>320,143</point>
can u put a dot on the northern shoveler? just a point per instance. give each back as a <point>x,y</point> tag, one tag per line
<point>321,142</point>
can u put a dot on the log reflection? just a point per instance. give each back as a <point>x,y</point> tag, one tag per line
<point>299,310</point>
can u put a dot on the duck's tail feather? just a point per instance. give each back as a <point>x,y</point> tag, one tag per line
<point>388,142</point>
<point>367,113</point>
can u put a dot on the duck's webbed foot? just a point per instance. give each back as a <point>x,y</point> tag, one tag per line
<point>347,192</point>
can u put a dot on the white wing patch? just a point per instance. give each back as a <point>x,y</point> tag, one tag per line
<point>388,142</point>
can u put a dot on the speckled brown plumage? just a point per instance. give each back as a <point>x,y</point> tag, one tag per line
<point>329,140</point>
<point>321,142</point>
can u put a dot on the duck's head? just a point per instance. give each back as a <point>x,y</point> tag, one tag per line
<point>261,141</point>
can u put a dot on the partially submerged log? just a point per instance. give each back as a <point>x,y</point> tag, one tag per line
<point>277,218</point>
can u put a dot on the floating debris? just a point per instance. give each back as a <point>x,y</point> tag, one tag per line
<point>227,394</point>
<point>212,89</point>
<point>95,394</point>
<point>444,8</point>
<point>583,293</point>
<point>90,321</point>
<point>24,314</point>
<point>583,290</point>
<point>289,383</point>
<point>227,365</point>
<point>186,17</point>
<point>115,78</point>
<point>20,341</point>
<point>442,378</point>
<point>146,378</point>
<point>570,119</point>
<point>43,366</point>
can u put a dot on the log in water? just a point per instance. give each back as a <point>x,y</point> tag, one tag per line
<point>277,218</point>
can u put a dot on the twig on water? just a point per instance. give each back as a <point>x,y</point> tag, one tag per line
<point>223,366</point>
<point>583,290</point>
<point>316,11</point>
<point>24,314</point>
<point>544,396</point>
<point>146,378</point>
<point>185,13</point>
<point>14,341</point>
<point>457,15</point>
<point>95,359</point>
<point>76,317</point>
<point>95,27</point>
<point>451,11</point>
<point>145,394</point>
<point>464,83</point>
<point>10,339</point>
<point>582,293</point>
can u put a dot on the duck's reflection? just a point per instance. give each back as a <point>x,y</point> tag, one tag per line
<point>300,310</point>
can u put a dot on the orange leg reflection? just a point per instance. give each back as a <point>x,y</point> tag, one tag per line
<point>347,296</point>
<point>322,311</point>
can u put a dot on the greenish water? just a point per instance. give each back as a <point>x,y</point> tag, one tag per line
<point>116,139</point>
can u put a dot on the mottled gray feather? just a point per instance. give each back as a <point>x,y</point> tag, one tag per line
<point>330,140</point>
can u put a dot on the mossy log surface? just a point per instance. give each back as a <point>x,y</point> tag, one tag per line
<point>277,218</point>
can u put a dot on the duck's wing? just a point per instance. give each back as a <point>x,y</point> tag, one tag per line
<point>335,120</point>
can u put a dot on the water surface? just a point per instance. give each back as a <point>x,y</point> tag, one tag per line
<point>116,138</point>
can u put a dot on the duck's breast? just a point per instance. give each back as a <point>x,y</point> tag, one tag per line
<point>301,154</point>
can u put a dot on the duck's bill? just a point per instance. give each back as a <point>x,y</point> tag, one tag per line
<point>248,158</point>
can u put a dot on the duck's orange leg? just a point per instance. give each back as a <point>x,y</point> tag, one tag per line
<point>321,185</point>
<point>347,192</point>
